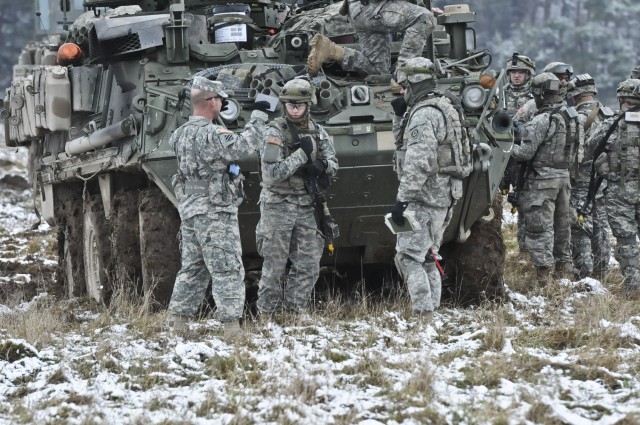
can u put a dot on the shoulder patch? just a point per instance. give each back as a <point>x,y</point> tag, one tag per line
<point>274,141</point>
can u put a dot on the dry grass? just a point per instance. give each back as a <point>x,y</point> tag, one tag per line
<point>40,324</point>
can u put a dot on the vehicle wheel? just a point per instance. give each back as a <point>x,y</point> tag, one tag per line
<point>477,269</point>
<point>159,247</point>
<point>70,249</point>
<point>97,252</point>
<point>125,240</point>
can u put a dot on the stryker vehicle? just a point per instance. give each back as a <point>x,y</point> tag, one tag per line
<point>97,111</point>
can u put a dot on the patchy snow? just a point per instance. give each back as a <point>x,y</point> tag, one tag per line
<point>531,360</point>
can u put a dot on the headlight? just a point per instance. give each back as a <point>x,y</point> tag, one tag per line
<point>473,97</point>
<point>232,112</point>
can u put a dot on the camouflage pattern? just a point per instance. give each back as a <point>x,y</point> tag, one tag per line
<point>287,229</point>
<point>526,112</point>
<point>373,24</point>
<point>591,249</point>
<point>546,199</point>
<point>635,72</point>
<point>521,63</point>
<point>433,131</point>
<point>210,86</point>
<point>621,167</point>
<point>517,96</point>
<point>210,237</point>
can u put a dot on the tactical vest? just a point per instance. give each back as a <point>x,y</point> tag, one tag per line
<point>516,97</point>
<point>215,182</point>
<point>294,185</point>
<point>593,113</point>
<point>558,150</point>
<point>624,155</point>
<point>454,153</point>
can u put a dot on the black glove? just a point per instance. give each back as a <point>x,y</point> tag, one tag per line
<point>261,105</point>
<point>396,212</point>
<point>399,106</point>
<point>317,167</point>
<point>519,132</point>
<point>306,144</point>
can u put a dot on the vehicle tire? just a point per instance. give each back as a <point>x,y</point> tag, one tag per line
<point>159,246</point>
<point>71,276</point>
<point>125,239</point>
<point>97,252</point>
<point>477,269</point>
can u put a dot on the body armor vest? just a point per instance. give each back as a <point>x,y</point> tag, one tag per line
<point>517,96</point>
<point>294,185</point>
<point>624,155</point>
<point>214,181</point>
<point>454,154</point>
<point>558,150</point>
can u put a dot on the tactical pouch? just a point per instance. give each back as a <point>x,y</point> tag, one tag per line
<point>398,162</point>
<point>177,182</point>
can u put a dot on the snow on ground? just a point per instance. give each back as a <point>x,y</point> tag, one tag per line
<point>565,354</point>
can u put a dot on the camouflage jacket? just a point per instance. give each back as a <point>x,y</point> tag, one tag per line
<point>437,154</point>
<point>589,123</point>
<point>620,163</point>
<point>281,158</point>
<point>516,97</point>
<point>551,144</point>
<point>204,151</point>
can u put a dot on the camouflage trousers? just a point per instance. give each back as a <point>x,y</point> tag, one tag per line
<point>413,261</point>
<point>375,22</point>
<point>548,221</point>
<point>210,251</point>
<point>590,245</point>
<point>287,231</point>
<point>623,210</point>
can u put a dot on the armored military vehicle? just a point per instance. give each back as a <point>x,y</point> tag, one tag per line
<point>98,119</point>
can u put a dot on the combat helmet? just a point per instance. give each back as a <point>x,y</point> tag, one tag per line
<point>518,62</point>
<point>629,90</point>
<point>583,84</point>
<point>418,73</point>
<point>298,90</point>
<point>635,72</point>
<point>559,68</point>
<point>548,88</point>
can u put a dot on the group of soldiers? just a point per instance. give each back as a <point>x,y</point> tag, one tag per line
<point>575,171</point>
<point>563,212</point>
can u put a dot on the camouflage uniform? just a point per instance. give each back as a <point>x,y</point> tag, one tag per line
<point>529,109</point>
<point>208,206</point>
<point>516,96</point>
<point>436,160</point>
<point>550,143</point>
<point>374,22</point>
<point>620,164</point>
<point>287,229</point>
<point>590,238</point>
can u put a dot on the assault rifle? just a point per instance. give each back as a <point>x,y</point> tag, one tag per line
<point>596,181</point>
<point>326,224</point>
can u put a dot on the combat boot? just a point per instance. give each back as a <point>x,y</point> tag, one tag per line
<point>177,323</point>
<point>563,270</point>
<point>322,50</point>
<point>232,331</point>
<point>543,275</point>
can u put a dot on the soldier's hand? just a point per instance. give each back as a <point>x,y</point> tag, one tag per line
<point>519,131</point>
<point>306,144</point>
<point>399,106</point>
<point>261,105</point>
<point>397,212</point>
<point>317,167</point>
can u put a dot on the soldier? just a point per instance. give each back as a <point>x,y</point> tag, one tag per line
<point>209,189</point>
<point>520,69</point>
<point>562,71</point>
<point>374,22</point>
<point>619,138</point>
<point>436,159</point>
<point>296,149</point>
<point>550,143</point>
<point>590,237</point>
